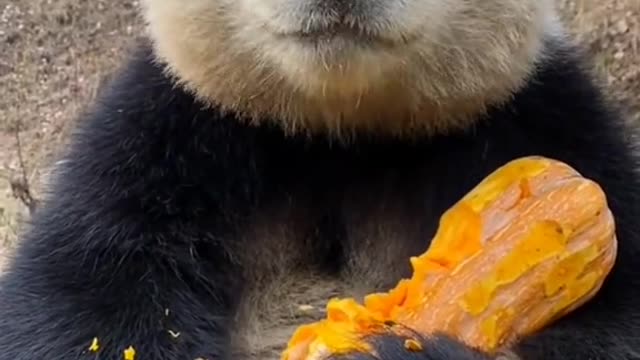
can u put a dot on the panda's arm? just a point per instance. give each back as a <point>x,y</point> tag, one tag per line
<point>577,125</point>
<point>133,244</point>
<point>607,327</point>
<point>561,115</point>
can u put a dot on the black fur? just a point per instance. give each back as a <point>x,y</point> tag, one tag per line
<point>393,348</point>
<point>146,210</point>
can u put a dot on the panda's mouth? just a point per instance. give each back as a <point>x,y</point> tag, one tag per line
<point>344,34</point>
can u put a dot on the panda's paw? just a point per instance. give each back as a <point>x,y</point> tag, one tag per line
<point>432,348</point>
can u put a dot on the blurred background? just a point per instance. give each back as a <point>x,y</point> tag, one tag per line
<point>54,54</point>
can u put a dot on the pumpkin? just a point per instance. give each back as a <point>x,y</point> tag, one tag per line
<point>532,242</point>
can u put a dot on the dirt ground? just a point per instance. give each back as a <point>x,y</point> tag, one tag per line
<point>54,54</point>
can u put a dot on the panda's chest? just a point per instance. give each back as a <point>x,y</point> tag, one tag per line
<point>308,248</point>
<point>332,226</point>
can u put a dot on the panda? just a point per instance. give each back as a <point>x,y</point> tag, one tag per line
<point>252,153</point>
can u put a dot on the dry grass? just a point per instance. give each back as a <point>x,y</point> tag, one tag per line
<point>54,54</point>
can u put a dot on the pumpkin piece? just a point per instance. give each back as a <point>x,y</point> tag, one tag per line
<point>529,244</point>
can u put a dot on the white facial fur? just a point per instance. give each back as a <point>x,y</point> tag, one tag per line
<point>434,64</point>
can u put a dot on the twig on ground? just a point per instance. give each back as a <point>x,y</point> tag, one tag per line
<point>20,186</point>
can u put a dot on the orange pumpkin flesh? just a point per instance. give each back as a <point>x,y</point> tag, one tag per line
<point>532,242</point>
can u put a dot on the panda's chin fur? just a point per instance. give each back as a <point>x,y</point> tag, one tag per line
<point>422,68</point>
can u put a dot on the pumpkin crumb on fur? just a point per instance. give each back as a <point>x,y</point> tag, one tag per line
<point>95,345</point>
<point>529,244</point>
<point>129,353</point>
<point>412,345</point>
